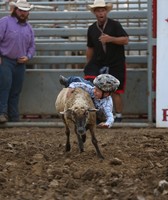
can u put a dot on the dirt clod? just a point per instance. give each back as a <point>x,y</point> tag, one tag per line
<point>35,166</point>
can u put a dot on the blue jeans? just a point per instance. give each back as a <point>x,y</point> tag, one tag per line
<point>78,79</point>
<point>11,82</point>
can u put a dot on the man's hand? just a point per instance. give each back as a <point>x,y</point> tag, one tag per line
<point>104,38</point>
<point>22,59</point>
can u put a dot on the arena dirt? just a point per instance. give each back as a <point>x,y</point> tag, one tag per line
<point>34,165</point>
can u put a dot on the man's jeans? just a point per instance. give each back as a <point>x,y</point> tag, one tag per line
<point>11,81</point>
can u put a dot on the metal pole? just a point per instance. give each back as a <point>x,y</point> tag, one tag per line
<point>154,25</point>
<point>61,124</point>
<point>150,55</point>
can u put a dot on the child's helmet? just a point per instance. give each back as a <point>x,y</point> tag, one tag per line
<point>106,82</point>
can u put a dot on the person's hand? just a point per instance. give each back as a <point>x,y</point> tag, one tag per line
<point>104,38</point>
<point>102,125</point>
<point>22,59</point>
<point>70,91</point>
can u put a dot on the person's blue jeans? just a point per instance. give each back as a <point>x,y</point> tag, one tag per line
<point>78,79</point>
<point>11,82</point>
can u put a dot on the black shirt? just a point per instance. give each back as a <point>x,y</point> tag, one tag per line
<point>114,53</point>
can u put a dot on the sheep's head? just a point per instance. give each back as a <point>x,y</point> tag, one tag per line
<point>80,117</point>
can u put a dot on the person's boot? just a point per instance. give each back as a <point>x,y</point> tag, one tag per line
<point>118,117</point>
<point>63,80</point>
<point>3,119</point>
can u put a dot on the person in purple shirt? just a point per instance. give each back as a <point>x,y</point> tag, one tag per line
<point>17,46</point>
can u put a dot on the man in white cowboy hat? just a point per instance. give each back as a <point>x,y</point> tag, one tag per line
<point>21,4</point>
<point>17,46</point>
<point>105,50</point>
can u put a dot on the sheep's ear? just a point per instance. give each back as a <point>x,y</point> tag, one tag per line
<point>65,111</point>
<point>62,113</point>
<point>92,109</point>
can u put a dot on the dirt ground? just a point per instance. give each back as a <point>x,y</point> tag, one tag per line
<point>34,165</point>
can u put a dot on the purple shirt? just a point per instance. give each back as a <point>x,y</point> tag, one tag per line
<point>16,40</point>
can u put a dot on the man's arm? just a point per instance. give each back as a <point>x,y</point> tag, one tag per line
<point>116,40</point>
<point>89,54</point>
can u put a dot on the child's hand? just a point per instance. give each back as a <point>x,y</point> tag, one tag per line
<point>102,125</point>
<point>70,91</point>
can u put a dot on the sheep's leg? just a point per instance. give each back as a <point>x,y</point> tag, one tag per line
<point>94,142</point>
<point>67,132</point>
<point>68,146</point>
<point>84,138</point>
<point>80,143</point>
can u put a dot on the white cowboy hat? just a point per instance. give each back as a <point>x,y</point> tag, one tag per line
<point>100,4</point>
<point>22,5</point>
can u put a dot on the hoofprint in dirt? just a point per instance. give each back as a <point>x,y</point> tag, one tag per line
<point>34,165</point>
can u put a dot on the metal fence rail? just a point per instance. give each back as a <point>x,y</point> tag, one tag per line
<point>55,44</point>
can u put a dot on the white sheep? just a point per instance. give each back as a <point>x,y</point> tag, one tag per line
<point>79,115</point>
